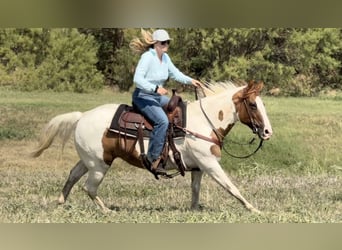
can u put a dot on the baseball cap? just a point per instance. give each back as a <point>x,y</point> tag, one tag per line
<point>160,35</point>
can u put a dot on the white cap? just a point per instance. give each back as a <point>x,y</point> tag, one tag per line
<point>160,35</point>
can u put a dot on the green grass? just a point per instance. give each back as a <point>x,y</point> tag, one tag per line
<point>23,112</point>
<point>295,177</point>
<point>307,135</point>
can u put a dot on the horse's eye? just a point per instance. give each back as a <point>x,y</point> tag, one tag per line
<point>253,105</point>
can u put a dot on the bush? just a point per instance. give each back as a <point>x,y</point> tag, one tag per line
<point>298,61</point>
<point>57,59</point>
<point>70,63</point>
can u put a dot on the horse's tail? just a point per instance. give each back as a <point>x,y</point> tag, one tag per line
<point>61,127</point>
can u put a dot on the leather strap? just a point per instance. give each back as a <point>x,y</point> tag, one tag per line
<point>176,154</point>
<point>209,139</point>
<point>141,138</point>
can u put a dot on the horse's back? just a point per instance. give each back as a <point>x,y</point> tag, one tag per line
<point>99,116</point>
<point>91,126</point>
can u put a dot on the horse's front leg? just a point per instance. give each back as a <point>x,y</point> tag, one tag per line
<point>211,166</point>
<point>196,178</point>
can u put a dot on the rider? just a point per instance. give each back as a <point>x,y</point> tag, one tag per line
<point>153,69</point>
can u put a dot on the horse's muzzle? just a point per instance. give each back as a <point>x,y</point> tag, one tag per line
<point>265,133</point>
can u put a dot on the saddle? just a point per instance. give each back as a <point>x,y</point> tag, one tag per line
<point>129,122</point>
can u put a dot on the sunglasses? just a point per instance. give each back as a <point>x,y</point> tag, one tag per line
<point>165,42</point>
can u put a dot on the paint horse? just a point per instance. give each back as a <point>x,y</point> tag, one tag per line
<point>210,117</point>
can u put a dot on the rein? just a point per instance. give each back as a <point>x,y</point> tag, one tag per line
<point>219,135</point>
<point>245,156</point>
<point>203,137</point>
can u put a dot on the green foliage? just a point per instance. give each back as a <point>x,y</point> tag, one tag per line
<point>58,59</point>
<point>70,63</point>
<point>300,62</point>
<point>312,53</point>
<point>20,51</point>
<point>115,58</point>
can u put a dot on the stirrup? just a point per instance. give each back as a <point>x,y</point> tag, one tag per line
<point>148,165</point>
<point>160,170</point>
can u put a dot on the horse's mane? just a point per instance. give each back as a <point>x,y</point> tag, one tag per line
<point>213,88</point>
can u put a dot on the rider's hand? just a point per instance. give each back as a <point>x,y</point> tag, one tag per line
<point>196,83</point>
<point>162,91</point>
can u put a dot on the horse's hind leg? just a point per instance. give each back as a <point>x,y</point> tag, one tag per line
<point>95,177</point>
<point>75,174</point>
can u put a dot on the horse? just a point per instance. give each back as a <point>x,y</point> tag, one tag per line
<point>209,119</point>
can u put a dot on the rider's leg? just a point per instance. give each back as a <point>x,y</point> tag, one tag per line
<point>151,107</point>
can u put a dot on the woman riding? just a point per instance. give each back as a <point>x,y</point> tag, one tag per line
<point>153,69</point>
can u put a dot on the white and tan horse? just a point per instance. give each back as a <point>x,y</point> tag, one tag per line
<point>223,106</point>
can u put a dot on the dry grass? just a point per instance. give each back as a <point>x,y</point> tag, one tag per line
<point>29,188</point>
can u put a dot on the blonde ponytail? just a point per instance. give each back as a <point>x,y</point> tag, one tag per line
<point>140,45</point>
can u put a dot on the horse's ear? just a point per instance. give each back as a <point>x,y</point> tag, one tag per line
<point>253,87</point>
<point>259,85</point>
<point>250,85</point>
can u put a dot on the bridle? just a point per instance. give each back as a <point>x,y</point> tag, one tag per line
<point>255,128</point>
<point>220,137</point>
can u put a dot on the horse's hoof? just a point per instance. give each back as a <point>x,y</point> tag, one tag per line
<point>61,199</point>
<point>106,210</point>
<point>254,210</point>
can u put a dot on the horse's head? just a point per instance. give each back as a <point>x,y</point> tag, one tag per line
<point>251,110</point>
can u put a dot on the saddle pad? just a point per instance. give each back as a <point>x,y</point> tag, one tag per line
<point>119,119</point>
<point>126,122</point>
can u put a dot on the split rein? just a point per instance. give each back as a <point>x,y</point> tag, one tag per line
<point>218,135</point>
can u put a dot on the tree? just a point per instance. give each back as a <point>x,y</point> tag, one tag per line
<point>59,59</point>
<point>312,54</point>
<point>115,60</point>
<point>70,63</point>
<point>21,51</point>
<point>299,61</point>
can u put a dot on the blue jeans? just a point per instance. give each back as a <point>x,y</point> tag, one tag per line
<point>150,105</point>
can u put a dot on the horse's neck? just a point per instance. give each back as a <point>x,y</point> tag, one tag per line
<point>219,108</point>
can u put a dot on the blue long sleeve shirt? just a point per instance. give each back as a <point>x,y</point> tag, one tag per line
<point>150,72</point>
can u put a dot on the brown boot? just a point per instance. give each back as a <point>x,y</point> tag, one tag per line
<point>157,167</point>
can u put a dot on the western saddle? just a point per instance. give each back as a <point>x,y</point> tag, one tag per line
<point>128,122</point>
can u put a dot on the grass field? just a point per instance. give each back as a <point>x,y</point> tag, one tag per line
<point>295,177</point>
